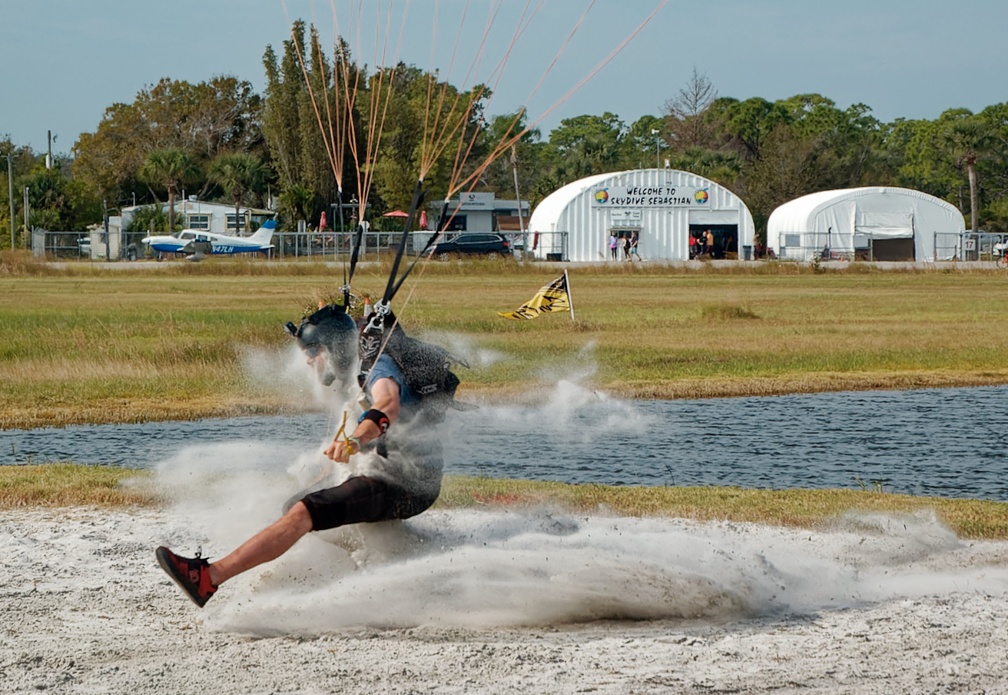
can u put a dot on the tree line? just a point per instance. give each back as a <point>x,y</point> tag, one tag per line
<point>221,141</point>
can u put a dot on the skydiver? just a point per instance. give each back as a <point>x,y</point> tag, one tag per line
<point>397,463</point>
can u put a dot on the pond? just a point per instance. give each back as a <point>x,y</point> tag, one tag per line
<point>937,442</point>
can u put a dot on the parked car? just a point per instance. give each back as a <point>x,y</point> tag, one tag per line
<point>483,244</point>
<point>84,246</point>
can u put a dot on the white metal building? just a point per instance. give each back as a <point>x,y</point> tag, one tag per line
<point>662,205</point>
<point>480,212</point>
<point>875,223</point>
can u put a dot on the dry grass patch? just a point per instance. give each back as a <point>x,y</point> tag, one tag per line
<point>157,342</point>
<point>794,508</point>
<point>69,485</point>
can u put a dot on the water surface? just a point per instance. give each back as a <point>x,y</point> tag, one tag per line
<point>939,442</point>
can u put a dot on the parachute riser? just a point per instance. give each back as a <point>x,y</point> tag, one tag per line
<point>392,286</point>
<point>430,242</point>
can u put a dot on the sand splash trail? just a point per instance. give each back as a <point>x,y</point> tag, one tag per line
<point>485,569</point>
<point>498,601</point>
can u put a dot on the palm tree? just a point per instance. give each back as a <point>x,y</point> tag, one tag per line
<point>296,202</point>
<point>237,173</point>
<point>967,139</point>
<point>171,168</point>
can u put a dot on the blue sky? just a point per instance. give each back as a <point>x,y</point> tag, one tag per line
<point>62,62</point>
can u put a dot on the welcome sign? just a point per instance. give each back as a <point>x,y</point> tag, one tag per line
<point>650,197</point>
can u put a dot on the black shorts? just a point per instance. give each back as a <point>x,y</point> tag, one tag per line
<point>361,500</point>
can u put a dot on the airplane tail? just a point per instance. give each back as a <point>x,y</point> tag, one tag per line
<point>264,234</point>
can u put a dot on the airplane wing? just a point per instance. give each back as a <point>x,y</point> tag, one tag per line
<point>197,250</point>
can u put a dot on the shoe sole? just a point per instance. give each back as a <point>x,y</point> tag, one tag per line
<point>172,571</point>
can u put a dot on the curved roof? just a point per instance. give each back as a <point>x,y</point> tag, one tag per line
<point>575,223</point>
<point>796,215</point>
<point>546,213</point>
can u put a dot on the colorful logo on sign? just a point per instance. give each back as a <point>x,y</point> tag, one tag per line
<point>701,196</point>
<point>602,196</point>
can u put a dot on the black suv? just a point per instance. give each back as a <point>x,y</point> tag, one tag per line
<point>488,244</point>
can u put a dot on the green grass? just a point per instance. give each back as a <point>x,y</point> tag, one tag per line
<point>65,485</point>
<point>68,485</point>
<point>794,508</point>
<point>165,341</point>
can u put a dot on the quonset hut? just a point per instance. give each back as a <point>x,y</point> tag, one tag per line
<point>874,223</point>
<point>664,207</point>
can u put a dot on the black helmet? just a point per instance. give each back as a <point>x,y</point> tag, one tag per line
<point>332,332</point>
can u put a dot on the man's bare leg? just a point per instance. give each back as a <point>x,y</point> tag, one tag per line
<point>269,544</point>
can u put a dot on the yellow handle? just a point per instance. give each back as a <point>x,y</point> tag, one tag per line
<point>347,439</point>
<point>342,431</point>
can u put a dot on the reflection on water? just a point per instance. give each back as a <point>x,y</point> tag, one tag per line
<point>940,442</point>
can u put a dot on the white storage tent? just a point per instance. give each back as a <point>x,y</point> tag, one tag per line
<point>878,223</point>
<point>662,205</point>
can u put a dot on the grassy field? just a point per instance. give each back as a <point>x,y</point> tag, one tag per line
<point>87,344</point>
<point>171,341</point>
<point>66,485</point>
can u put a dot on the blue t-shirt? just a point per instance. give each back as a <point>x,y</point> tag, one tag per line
<point>386,368</point>
<point>417,442</point>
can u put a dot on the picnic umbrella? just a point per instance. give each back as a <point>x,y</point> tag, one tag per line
<point>396,213</point>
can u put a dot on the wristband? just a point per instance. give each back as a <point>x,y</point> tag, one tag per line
<point>377,417</point>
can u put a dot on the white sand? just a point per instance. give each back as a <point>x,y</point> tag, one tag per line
<point>496,601</point>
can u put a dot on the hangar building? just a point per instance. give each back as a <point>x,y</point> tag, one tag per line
<point>664,207</point>
<point>875,223</point>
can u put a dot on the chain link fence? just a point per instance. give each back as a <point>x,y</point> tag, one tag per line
<point>964,246</point>
<point>321,246</point>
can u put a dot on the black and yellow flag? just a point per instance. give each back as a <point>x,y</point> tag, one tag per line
<point>553,297</point>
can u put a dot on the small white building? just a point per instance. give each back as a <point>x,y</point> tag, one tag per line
<point>874,223</point>
<point>478,211</point>
<point>663,206</point>
<point>218,218</point>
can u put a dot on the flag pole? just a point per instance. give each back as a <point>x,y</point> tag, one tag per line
<point>570,300</point>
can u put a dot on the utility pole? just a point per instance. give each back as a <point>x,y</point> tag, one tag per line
<point>657,154</point>
<point>10,194</point>
<point>27,217</point>
<point>108,242</point>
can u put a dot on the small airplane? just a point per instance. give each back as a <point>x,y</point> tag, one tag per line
<point>198,244</point>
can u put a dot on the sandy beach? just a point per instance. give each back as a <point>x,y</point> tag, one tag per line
<point>496,601</point>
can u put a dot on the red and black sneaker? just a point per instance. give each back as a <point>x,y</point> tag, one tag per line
<point>191,574</point>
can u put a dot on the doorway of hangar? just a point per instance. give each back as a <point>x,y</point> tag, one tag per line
<point>623,233</point>
<point>900,249</point>
<point>726,240</point>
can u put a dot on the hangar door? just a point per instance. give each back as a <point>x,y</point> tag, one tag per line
<point>623,233</point>
<point>723,224</point>
<point>888,236</point>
